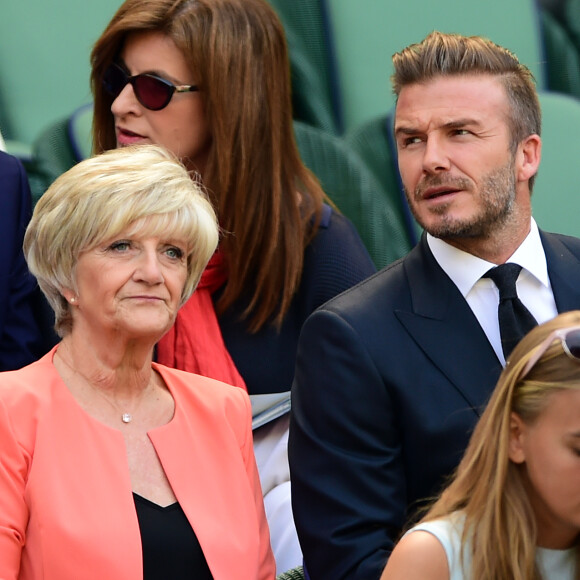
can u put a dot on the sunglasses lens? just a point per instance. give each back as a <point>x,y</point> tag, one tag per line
<point>114,80</point>
<point>573,343</point>
<point>152,92</point>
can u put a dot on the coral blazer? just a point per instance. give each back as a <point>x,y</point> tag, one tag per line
<point>66,504</point>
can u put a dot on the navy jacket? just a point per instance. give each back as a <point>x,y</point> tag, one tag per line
<point>335,260</point>
<point>25,322</point>
<point>391,378</point>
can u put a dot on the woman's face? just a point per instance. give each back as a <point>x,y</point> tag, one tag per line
<point>548,450</point>
<point>129,286</point>
<point>181,126</point>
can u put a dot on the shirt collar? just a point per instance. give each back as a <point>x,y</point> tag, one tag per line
<point>465,269</point>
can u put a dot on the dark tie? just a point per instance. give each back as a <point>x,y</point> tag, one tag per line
<point>515,320</point>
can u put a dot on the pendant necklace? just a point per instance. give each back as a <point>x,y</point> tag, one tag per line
<point>126,417</point>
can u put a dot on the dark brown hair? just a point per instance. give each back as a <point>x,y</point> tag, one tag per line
<point>268,203</point>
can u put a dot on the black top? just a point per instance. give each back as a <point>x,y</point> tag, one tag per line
<point>170,546</point>
<point>335,260</point>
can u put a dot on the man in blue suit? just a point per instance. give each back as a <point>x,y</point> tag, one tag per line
<point>392,375</point>
<point>22,307</point>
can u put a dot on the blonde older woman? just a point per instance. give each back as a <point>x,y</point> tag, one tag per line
<point>113,466</point>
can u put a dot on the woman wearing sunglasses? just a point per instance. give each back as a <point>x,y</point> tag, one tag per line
<point>513,507</point>
<point>209,80</point>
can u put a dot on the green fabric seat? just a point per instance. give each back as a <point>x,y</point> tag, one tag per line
<point>562,56</point>
<point>556,193</point>
<point>374,142</point>
<point>315,96</point>
<point>52,155</point>
<point>58,148</point>
<point>356,192</point>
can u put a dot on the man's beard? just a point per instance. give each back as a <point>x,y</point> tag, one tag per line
<point>497,196</point>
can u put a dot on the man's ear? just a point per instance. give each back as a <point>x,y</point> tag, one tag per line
<point>518,429</point>
<point>528,157</point>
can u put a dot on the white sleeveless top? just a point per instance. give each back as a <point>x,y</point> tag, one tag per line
<point>553,564</point>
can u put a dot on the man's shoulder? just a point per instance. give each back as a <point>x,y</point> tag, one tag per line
<point>12,172</point>
<point>572,243</point>
<point>389,275</point>
<point>9,163</point>
<point>387,288</point>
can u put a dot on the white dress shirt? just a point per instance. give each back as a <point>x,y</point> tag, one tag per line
<point>533,285</point>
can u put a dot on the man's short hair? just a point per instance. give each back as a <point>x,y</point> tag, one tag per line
<point>441,54</point>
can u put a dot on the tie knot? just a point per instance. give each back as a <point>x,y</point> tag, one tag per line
<point>505,277</point>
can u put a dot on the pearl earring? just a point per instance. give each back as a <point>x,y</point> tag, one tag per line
<point>73,300</point>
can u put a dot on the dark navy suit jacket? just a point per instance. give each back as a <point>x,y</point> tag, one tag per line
<point>391,378</point>
<point>25,332</point>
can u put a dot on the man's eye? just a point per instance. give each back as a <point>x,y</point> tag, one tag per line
<point>411,141</point>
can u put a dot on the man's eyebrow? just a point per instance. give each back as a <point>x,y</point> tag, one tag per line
<point>455,124</point>
<point>406,130</point>
<point>458,123</point>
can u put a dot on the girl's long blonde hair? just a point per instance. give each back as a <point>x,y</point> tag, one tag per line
<point>488,487</point>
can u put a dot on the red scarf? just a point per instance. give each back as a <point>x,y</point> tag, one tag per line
<point>195,341</point>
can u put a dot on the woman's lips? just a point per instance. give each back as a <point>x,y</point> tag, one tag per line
<point>126,137</point>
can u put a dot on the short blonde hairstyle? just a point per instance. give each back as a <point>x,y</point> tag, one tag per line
<point>142,189</point>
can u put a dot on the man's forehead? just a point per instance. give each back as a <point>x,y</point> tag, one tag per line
<point>451,99</point>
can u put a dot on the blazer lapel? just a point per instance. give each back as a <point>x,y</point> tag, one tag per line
<point>215,495</point>
<point>445,328</point>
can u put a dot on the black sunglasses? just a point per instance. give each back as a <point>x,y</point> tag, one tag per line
<point>153,92</point>
<point>570,340</point>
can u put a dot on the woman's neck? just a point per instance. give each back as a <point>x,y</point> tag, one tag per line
<point>125,371</point>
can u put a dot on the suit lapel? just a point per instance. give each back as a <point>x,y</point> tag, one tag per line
<point>445,328</point>
<point>442,324</point>
<point>564,272</point>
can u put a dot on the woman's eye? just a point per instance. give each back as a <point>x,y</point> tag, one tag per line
<point>175,253</point>
<point>120,246</point>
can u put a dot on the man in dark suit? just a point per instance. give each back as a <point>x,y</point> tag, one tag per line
<point>392,375</point>
<point>22,307</point>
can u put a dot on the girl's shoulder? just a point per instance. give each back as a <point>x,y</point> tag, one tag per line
<point>418,556</point>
